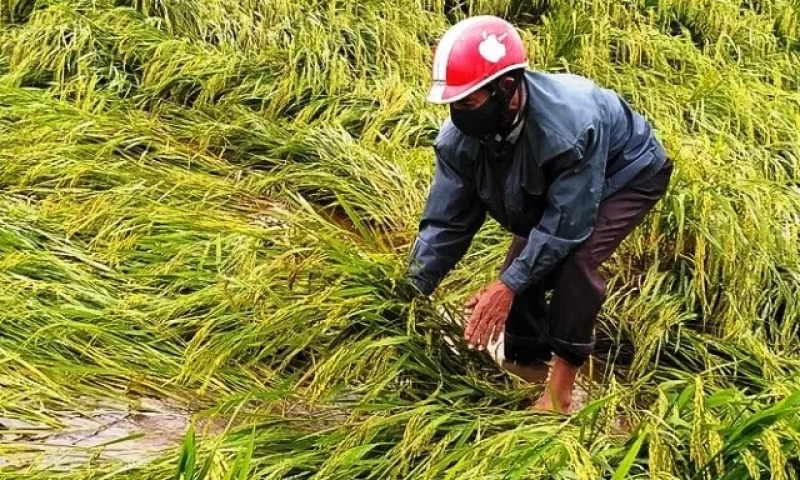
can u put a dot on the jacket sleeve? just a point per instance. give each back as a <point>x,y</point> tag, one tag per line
<point>572,202</point>
<point>452,216</point>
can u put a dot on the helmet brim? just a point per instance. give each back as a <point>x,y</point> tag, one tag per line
<point>443,94</point>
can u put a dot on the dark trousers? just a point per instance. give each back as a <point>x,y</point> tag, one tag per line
<point>535,330</point>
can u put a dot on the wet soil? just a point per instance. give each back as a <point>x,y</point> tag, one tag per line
<point>106,432</point>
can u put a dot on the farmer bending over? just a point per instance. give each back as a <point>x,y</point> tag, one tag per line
<point>566,166</point>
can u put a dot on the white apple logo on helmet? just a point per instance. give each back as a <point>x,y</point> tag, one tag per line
<point>491,47</point>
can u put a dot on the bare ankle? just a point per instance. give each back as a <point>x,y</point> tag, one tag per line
<point>534,373</point>
<point>560,384</point>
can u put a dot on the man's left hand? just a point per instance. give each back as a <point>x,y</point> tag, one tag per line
<point>489,317</point>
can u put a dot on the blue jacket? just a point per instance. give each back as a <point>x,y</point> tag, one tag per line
<point>579,144</point>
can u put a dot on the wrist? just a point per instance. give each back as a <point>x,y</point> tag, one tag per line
<point>513,279</point>
<point>505,287</point>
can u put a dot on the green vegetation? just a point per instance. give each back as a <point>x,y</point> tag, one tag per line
<point>211,201</point>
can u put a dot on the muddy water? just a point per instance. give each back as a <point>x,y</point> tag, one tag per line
<point>140,435</point>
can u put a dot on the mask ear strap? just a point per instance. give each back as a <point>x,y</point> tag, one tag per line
<point>506,96</point>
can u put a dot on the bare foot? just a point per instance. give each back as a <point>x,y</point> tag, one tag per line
<point>545,404</point>
<point>558,391</point>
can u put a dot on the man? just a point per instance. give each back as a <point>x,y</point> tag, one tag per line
<point>566,166</point>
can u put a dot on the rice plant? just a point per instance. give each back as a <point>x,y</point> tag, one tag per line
<point>212,201</point>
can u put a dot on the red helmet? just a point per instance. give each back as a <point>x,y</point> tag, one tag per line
<point>471,54</point>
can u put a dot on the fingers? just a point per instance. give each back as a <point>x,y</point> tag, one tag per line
<point>470,329</point>
<point>481,327</point>
<point>472,333</point>
<point>487,329</point>
<point>498,329</point>
<point>482,331</point>
<point>469,310</point>
<point>487,315</point>
<point>469,306</point>
<point>484,324</point>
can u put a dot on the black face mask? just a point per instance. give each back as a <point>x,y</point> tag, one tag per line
<point>488,118</point>
<point>481,121</point>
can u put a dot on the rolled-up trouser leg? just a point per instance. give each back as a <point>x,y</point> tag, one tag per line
<point>580,288</point>
<point>535,330</point>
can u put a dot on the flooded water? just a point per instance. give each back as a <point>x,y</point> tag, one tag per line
<point>109,432</point>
